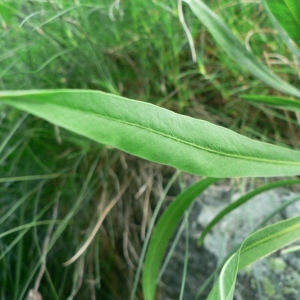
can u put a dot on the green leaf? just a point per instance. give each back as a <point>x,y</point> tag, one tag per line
<point>163,233</point>
<point>235,50</point>
<point>287,13</point>
<point>278,102</point>
<point>157,134</point>
<point>7,12</point>
<point>291,45</point>
<point>242,200</point>
<point>258,245</point>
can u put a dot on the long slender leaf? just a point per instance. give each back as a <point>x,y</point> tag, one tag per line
<point>290,249</point>
<point>258,245</point>
<point>287,13</point>
<point>242,200</point>
<point>291,45</point>
<point>279,102</point>
<point>157,134</point>
<point>235,50</point>
<point>163,233</point>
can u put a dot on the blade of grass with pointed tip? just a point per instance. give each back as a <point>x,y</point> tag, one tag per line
<point>287,14</point>
<point>164,231</point>
<point>156,134</point>
<point>235,50</point>
<point>28,225</point>
<point>242,200</point>
<point>290,249</point>
<point>278,102</point>
<point>258,245</point>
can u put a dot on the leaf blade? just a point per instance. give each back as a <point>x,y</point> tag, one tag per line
<point>278,102</point>
<point>291,45</point>
<point>287,14</point>
<point>163,233</point>
<point>258,245</point>
<point>151,132</point>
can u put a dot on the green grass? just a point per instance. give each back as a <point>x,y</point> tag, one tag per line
<point>140,51</point>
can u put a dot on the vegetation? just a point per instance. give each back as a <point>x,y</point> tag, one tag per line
<point>70,197</point>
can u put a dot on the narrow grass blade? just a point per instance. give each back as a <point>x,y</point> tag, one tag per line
<point>157,134</point>
<point>235,50</point>
<point>28,225</point>
<point>171,251</point>
<point>278,102</point>
<point>163,233</point>
<point>16,205</point>
<point>186,255</point>
<point>258,245</point>
<point>31,177</point>
<point>287,13</point>
<point>290,250</point>
<point>278,209</point>
<point>229,208</point>
<point>12,132</point>
<point>148,235</point>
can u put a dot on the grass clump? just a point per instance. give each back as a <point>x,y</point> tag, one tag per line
<point>135,49</point>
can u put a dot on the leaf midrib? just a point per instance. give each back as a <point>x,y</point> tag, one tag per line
<point>249,158</point>
<point>271,237</point>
